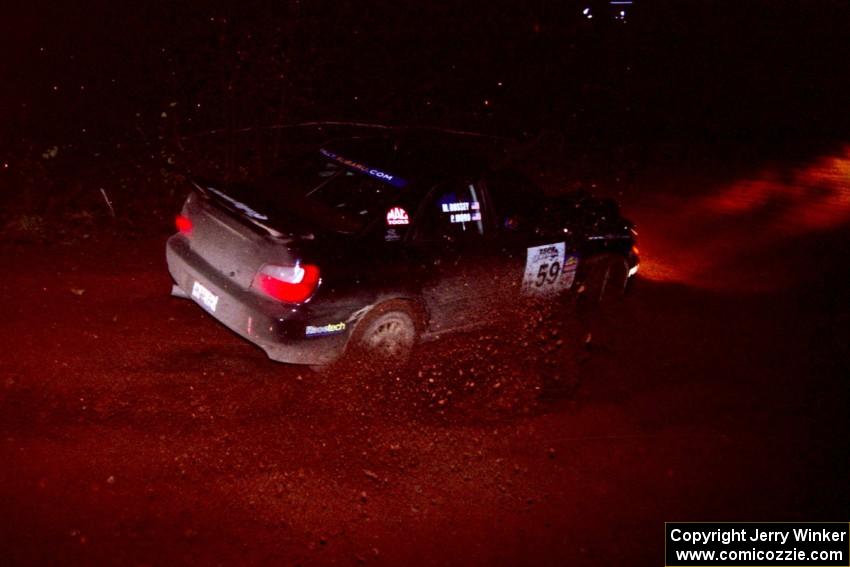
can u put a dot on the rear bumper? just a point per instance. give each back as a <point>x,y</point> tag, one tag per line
<point>287,333</point>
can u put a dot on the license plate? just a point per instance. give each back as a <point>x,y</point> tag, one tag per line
<point>204,296</point>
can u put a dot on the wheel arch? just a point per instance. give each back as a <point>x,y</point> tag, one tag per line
<point>414,304</point>
<point>608,260</point>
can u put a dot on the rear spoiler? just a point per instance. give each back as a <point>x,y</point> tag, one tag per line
<point>238,208</point>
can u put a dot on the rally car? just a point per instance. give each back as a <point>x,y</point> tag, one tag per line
<point>372,244</point>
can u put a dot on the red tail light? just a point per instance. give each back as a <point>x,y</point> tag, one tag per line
<point>183,224</point>
<point>289,284</point>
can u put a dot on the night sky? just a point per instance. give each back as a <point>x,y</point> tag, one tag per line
<point>84,73</point>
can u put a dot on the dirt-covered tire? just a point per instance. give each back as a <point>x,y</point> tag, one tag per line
<point>384,338</point>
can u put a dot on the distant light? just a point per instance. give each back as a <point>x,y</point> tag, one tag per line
<point>586,11</point>
<point>486,102</point>
<point>622,13</point>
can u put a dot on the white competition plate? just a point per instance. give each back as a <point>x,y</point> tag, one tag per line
<point>205,297</point>
<point>548,270</point>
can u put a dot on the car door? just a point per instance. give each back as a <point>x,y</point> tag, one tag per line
<point>538,261</point>
<point>453,239</point>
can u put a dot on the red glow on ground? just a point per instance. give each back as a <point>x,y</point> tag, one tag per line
<point>813,197</point>
<point>719,241</point>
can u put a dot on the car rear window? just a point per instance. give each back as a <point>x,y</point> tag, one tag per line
<point>337,192</point>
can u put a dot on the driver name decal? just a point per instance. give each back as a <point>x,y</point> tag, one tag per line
<point>462,211</point>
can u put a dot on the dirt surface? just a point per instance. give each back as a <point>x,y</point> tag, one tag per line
<point>138,431</point>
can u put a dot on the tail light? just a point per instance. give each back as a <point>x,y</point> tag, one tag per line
<point>289,284</point>
<point>183,224</point>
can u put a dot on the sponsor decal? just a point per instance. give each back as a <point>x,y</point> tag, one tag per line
<point>388,178</point>
<point>397,216</point>
<point>568,272</point>
<point>329,329</point>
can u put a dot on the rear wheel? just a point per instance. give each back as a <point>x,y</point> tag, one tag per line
<point>386,335</point>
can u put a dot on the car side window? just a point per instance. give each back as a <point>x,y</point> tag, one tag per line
<point>513,200</point>
<point>452,213</point>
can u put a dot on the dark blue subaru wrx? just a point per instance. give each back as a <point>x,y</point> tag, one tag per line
<point>373,244</point>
